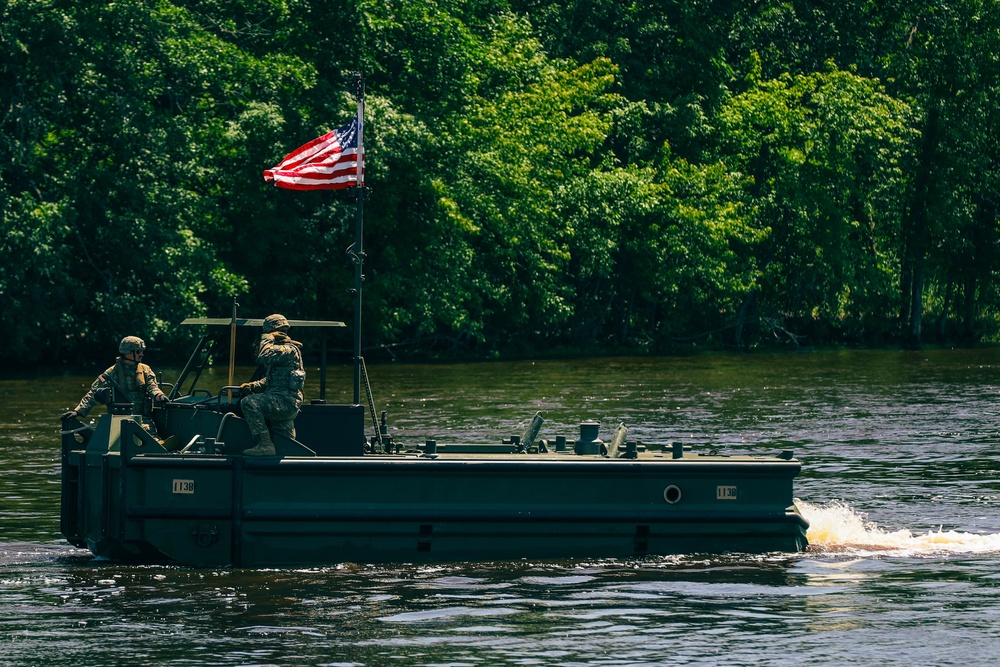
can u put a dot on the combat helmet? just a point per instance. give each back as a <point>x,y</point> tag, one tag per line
<point>275,322</point>
<point>131,344</point>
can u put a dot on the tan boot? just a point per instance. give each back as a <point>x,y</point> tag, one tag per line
<point>264,447</point>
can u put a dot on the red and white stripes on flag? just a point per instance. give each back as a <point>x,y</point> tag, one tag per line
<point>329,162</point>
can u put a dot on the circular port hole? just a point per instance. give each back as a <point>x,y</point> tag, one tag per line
<point>672,494</point>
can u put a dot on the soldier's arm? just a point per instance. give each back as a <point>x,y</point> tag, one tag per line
<point>89,400</point>
<point>153,387</point>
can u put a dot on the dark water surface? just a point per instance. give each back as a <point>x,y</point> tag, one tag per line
<point>901,482</point>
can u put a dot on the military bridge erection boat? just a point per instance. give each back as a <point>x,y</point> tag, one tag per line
<point>335,494</point>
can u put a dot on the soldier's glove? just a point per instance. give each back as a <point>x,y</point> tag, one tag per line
<point>160,398</point>
<point>69,415</point>
<point>246,389</point>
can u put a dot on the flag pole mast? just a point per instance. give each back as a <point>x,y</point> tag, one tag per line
<point>357,252</point>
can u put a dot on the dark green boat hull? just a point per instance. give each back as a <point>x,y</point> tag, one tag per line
<point>127,499</point>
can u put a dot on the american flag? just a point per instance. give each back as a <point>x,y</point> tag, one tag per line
<point>329,162</point>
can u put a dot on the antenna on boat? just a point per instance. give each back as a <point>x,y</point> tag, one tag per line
<point>356,251</point>
<point>232,344</point>
<point>357,255</point>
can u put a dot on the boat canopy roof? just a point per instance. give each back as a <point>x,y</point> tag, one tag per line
<point>256,322</point>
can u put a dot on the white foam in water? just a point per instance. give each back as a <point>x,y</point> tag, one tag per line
<point>838,528</point>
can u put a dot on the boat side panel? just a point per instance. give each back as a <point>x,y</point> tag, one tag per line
<point>478,512</point>
<point>214,511</point>
<point>280,542</point>
<point>185,511</point>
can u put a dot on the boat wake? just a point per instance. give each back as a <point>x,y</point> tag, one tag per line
<point>18,553</point>
<point>836,528</point>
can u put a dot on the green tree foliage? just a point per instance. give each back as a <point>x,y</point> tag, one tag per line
<point>585,174</point>
<point>823,159</point>
<point>948,70</point>
<point>492,170</point>
<point>940,59</point>
<point>117,148</point>
<point>516,152</point>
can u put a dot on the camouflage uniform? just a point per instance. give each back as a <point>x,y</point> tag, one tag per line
<point>138,382</point>
<point>276,398</point>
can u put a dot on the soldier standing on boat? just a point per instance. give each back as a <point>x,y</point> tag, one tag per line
<point>275,399</point>
<point>129,376</point>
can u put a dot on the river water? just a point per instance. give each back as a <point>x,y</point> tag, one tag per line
<point>900,481</point>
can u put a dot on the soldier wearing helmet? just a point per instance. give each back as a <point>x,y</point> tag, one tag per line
<point>272,403</point>
<point>274,323</point>
<point>128,375</point>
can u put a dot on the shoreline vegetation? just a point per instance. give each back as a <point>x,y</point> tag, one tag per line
<point>648,177</point>
<point>341,358</point>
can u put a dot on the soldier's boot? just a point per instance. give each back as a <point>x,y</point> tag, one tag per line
<point>264,447</point>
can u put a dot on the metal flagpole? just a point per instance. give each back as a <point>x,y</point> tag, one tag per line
<point>232,346</point>
<point>358,249</point>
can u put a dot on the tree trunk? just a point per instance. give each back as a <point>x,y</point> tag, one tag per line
<point>969,326</point>
<point>917,237</point>
<point>942,326</point>
<point>748,302</point>
<point>917,307</point>
<point>905,295</point>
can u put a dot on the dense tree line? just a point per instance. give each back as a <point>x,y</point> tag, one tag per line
<point>584,174</point>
